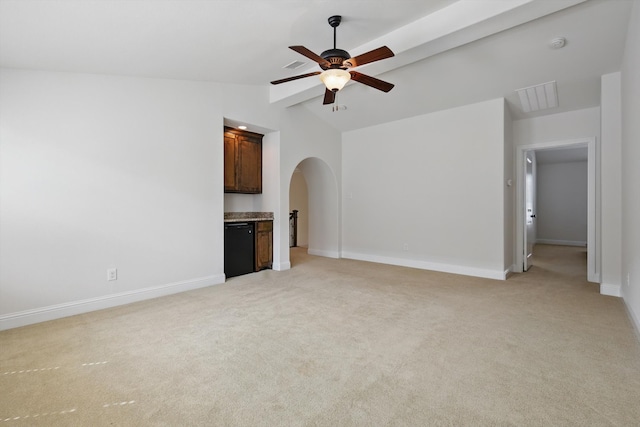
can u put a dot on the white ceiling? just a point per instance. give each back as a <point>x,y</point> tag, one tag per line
<point>448,52</point>
<point>230,41</point>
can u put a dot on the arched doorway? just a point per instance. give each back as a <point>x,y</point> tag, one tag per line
<point>298,211</point>
<point>319,230</point>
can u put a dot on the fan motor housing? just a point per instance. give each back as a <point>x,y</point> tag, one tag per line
<point>335,57</point>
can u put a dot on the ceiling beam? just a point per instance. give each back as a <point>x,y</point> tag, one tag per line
<point>455,25</point>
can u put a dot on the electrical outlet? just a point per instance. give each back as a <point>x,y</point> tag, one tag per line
<point>405,247</point>
<point>112,274</point>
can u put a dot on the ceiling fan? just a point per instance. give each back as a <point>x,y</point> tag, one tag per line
<point>335,63</point>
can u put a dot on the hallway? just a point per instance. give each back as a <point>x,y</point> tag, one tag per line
<point>569,262</point>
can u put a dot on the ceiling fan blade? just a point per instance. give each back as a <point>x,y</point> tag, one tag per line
<point>371,56</point>
<point>301,76</point>
<point>306,52</point>
<point>329,97</point>
<point>371,81</point>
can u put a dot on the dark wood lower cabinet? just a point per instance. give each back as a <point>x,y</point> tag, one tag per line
<point>264,245</point>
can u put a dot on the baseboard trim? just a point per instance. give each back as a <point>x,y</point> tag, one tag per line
<point>324,253</point>
<point>610,290</point>
<point>561,242</point>
<point>510,271</point>
<point>593,278</point>
<point>427,265</point>
<point>635,320</point>
<point>281,266</point>
<point>58,311</point>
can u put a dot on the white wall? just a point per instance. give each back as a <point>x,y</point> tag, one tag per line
<point>242,203</point>
<point>509,193</point>
<point>561,211</point>
<point>100,172</point>
<point>433,182</point>
<point>299,200</point>
<point>106,171</point>
<point>630,169</point>
<point>557,127</point>
<point>611,182</point>
<point>303,136</point>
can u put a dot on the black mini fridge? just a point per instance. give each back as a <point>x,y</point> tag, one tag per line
<point>238,248</point>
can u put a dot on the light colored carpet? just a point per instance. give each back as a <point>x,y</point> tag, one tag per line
<point>338,343</point>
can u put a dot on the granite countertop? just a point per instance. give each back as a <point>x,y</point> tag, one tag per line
<point>247,216</point>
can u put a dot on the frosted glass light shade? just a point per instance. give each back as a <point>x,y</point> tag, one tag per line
<point>335,78</point>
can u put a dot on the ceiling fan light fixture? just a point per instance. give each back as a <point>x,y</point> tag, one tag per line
<point>335,78</point>
<point>335,64</point>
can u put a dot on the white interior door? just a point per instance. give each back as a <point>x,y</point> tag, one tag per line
<point>529,208</point>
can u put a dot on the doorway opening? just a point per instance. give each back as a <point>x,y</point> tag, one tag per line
<point>298,211</point>
<point>313,193</point>
<point>572,227</point>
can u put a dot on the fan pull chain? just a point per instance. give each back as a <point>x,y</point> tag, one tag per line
<point>337,107</point>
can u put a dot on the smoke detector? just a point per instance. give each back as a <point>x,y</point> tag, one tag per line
<point>558,43</point>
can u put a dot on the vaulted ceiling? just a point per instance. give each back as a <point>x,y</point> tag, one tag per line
<point>448,52</point>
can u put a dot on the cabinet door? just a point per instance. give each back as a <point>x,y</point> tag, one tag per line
<point>230,163</point>
<point>250,165</point>
<point>264,245</point>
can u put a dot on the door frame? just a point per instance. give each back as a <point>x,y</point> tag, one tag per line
<point>525,245</point>
<point>593,201</point>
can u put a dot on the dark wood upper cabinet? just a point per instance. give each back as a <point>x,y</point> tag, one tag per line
<point>242,161</point>
<point>230,160</point>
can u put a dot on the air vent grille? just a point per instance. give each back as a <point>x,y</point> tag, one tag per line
<point>294,65</point>
<point>538,97</point>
